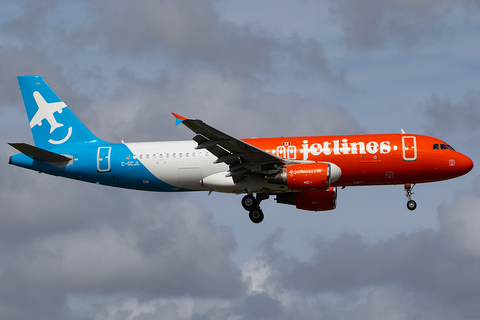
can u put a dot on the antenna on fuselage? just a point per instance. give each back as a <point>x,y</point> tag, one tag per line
<point>403,132</point>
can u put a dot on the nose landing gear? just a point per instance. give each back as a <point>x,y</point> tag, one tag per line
<point>411,204</point>
<point>252,204</point>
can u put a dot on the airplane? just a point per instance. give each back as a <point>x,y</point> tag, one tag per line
<point>300,171</point>
<point>45,111</point>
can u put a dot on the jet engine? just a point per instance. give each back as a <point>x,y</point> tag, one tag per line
<point>307,176</point>
<point>311,200</point>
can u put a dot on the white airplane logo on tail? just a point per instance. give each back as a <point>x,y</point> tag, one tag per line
<point>46,111</point>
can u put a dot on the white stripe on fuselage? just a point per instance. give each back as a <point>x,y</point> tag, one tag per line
<point>165,160</point>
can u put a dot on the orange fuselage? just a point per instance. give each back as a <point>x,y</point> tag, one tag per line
<point>374,159</point>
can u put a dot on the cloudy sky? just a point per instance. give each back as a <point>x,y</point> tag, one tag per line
<point>72,250</point>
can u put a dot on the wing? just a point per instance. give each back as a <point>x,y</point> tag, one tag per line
<point>241,157</point>
<point>36,120</point>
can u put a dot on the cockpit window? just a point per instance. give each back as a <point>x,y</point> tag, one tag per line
<point>443,147</point>
<point>447,147</point>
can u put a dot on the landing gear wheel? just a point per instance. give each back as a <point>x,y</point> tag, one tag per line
<point>411,205</point>
<point>256,215</point>
<point>249,202</point>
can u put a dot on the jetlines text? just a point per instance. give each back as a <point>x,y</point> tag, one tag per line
<point>338,147</point>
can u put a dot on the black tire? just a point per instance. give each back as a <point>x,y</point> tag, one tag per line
<point>256,215</point>
<point>249,202</point>
<point>411,205</point>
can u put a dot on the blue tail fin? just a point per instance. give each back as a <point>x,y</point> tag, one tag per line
<point>51,121</point>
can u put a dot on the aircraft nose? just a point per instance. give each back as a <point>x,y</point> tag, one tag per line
<point>466,164</point>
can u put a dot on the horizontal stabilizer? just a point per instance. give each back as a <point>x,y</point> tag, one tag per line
<point>39,154</point>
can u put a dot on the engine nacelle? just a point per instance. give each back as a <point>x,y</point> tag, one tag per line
<point>311,200</point>
<point>308,176</point>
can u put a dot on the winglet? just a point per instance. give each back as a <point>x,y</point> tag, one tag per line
<point>179,118</point>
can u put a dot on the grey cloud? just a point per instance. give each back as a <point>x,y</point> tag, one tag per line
<point>30,60</point>
<point>309,58</point>
<point>30,27</point>
<point>38,277</point>
<point>229,104</point>
<point>302,116</point>
<point>461,229</point>
<point>434,272</point>
<point>192,33</point>
<point>187,32</point>
<point>372,23</point>
<point>20,62</point>
<point>60,238</point>
<point>108,262</point>
<point>68,242</point>
<point>447,117</point>
<point>180,25</point>
<point>259,306</point>
<point>34,206</point>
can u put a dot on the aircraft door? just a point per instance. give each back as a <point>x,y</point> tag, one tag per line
<point>282,152</point>
<point>103,159</point>
<point>409,148</point>
<point>291,152</point>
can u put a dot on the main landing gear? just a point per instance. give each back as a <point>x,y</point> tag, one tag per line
<point>411,204</point>
<point>252,204</point>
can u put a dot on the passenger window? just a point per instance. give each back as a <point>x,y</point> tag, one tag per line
<point>147,156</point>
<point>174,155</point>
<point>154,156</point>
<point>167,155</point>
<point>207,154</point>
<point>128,157</point>
<point>200,154</point>
<point>435,146</point>
<point>180,155</point>
<point>141,156</point>
<point>186,154</point>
